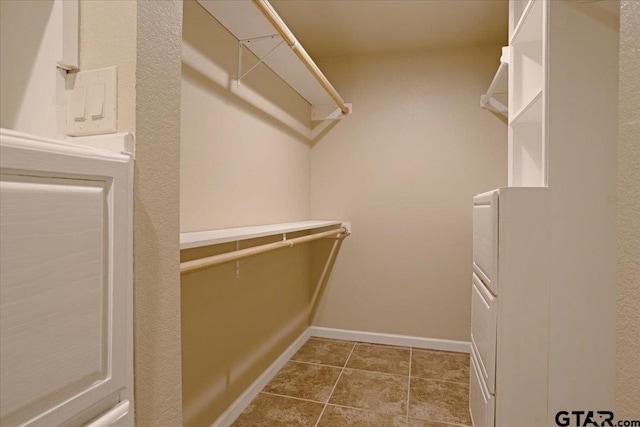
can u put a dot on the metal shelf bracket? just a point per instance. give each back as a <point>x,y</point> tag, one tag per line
<point>242,43</point>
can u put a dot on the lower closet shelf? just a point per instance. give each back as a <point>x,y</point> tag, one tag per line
<point>206,238</point>
<point>197,239</point>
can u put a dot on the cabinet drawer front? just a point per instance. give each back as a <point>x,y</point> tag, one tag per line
<point>482,404</point>
<point>484,317</point>
<point>485,238</point>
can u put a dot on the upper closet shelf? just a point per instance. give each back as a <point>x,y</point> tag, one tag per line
<point>258,27</point>
<point>529,27</point>
<point>496,98</point>
<point>197,239</point>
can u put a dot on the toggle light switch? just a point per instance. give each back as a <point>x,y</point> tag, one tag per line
<point>78,103</point>
<point>92,102</point>
<point>96,101</point>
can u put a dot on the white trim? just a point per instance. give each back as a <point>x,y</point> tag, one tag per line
<point>239,405</point>
<point>391,339</point>
<point>18,140</point>
<point>111,416</point>
<point>70,50</point>
<point>118,142</point>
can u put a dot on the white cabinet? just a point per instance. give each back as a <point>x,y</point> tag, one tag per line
<point>482,403</point>
<point>65,284</point>
<point>555,257</point>
<point>527,147</point>
<point>484,326</point>
<point>485,238</point>
<point>509,326</point>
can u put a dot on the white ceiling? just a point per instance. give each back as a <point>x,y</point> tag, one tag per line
<point>347,27</point>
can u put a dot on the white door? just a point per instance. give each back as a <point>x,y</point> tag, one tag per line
<point>65,283</point>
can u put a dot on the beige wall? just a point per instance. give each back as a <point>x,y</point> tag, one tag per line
<point>234,328</point>
<point>108,38</point>
<point>403,168</point>
<point>628,298</point>
<point>244,161</point>
<point>32,88</point>
<point>239,165</point>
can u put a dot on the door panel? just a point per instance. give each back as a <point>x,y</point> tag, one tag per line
<point>65,282</point>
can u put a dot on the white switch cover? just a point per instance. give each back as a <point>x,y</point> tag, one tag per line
<point>92,102</point>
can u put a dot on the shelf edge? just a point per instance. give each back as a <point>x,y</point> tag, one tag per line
<point>196,239</point>
<point>521,22</point>
<point>523,111</point>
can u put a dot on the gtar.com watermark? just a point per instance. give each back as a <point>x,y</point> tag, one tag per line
<point>592,418</point>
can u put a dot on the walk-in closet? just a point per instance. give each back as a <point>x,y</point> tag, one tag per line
<point>409,213</point>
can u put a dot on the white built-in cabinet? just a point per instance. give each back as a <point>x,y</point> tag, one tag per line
<point>543,285</point>
<point>510,307</point>
<point>527,146</point>
<point>66,356</point>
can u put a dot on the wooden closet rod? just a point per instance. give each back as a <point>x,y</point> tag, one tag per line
<point>273,17</point>
<point>202,263</point>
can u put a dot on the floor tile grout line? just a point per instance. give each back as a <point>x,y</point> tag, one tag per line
<point>409,383</point>
<point>335,385</point>
<point>442,381</point>
<point>348,407</point>
<point>291,397</point>
<point>317,364</point>
<point>367,410</point>
<point>352,369</point>
<point>375,344</point>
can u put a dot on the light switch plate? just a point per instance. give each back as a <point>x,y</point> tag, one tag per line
<point>92,98</point>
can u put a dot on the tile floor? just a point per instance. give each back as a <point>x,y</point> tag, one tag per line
<point>346,383</point>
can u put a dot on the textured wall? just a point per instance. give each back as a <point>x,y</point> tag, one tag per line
<point>628,301</point>
<point>404,168</point>
<point>156,215</point>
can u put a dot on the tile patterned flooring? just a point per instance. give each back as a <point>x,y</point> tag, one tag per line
<point>345,383</point>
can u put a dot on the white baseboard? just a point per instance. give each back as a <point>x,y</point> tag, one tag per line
<point>239,405</point>
<point>391,339</point>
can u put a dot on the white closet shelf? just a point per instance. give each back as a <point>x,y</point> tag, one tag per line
<point>198,239</point>
<point>529,27</point>
<point>257,27</point>
<point>531,112</point>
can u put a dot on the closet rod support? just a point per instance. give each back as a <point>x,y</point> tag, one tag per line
<point>237,261</point>
<point>241,43</point>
